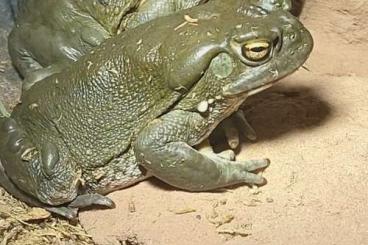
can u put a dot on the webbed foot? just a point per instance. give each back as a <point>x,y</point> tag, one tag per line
<point>66,212</point>
<point>82,201</point>
<point>241,170</point>
<point>228,157</point>
<point>87,200</point>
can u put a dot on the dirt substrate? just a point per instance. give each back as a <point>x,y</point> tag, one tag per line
<point>312,125</point>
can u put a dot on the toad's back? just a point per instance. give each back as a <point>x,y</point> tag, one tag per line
<point>97,104</point>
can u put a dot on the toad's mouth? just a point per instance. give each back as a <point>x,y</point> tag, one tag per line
<point>259,89</point>
<point>249,83</point>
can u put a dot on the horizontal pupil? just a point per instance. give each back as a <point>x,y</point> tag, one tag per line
<point>258,49</point>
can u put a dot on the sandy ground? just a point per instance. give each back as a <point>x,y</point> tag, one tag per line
<point>314,128</point>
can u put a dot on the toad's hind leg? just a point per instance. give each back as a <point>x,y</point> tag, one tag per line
<point>69,212</point>
<point>121,172</point>
<point>41,175</point>
<point>39,170</point>
<point>10,187</point>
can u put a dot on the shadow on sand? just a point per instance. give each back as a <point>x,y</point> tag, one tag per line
<point>286,109</point>
<point>297,7</point>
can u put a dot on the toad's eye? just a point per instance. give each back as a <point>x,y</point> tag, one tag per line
<point>256,50</point>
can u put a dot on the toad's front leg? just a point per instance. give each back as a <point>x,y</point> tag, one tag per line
<point>165,149</point>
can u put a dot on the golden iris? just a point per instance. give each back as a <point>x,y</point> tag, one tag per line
<point>256,50</point>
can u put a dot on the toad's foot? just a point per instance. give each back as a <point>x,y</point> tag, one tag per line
<point>87,200</point>
<point>236,126</point>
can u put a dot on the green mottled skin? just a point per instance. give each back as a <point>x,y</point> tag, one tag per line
<point>50,34</point>
<point>129,110</point>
